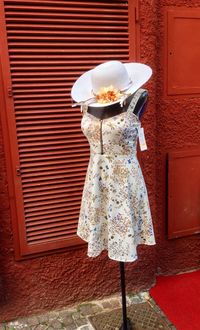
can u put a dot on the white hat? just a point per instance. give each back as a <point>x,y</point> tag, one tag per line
<point>127,78</point>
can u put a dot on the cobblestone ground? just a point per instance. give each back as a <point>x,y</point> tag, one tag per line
<point>73,318</point>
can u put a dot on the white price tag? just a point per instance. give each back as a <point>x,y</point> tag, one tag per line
<point>142,141</point>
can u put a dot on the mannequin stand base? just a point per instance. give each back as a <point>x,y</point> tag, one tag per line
<point>129,325</point>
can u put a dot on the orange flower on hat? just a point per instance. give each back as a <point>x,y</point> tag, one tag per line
<point>108,94</point>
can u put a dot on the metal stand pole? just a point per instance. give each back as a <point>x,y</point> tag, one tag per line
<point>126,321</point>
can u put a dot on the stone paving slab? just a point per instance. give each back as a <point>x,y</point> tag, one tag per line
<point>77,317</point>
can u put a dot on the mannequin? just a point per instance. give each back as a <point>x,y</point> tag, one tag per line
<point>115,213</point>
<point>107,112</point>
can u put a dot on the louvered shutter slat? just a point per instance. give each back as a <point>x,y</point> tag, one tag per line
<point>50,44</point>
<point>62,216</point>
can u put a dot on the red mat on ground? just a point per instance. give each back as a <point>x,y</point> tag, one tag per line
<point>179,298</point>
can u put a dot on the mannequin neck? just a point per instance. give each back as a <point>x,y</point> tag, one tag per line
<point>115,109</point>
<point>110,110</point>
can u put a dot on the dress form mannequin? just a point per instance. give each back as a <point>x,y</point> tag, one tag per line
<point>107,112</point>
<point>115,212</point>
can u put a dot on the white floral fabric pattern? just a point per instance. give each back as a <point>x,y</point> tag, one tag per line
<point>115,213</point>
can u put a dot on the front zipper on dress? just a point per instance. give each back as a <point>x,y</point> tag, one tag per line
<point>101,138</point>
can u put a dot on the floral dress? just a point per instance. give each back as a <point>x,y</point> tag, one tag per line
<point>115,213</point>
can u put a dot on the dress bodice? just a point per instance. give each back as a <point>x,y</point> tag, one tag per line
<point>115,135</point>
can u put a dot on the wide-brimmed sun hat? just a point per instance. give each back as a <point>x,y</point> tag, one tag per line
<point>109,83</point>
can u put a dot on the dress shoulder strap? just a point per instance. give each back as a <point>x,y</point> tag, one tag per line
<point>84,108</point>
<point>135,99</point>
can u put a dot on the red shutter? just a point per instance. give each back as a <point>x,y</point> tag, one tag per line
<point>183,192</point>
<point>50,43</point>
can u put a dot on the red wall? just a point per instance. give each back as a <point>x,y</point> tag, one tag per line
<point>177,127</point>
<point>69,277</point>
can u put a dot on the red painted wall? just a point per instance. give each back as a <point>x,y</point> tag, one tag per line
<point>65,278</point>
<point>177,127</point>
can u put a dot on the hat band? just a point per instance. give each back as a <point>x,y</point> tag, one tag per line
<point>92,99</point>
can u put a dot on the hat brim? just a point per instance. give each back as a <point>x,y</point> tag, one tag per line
<point>82,89</point>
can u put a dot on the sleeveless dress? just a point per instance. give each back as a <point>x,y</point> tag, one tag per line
<point>115,213</point>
